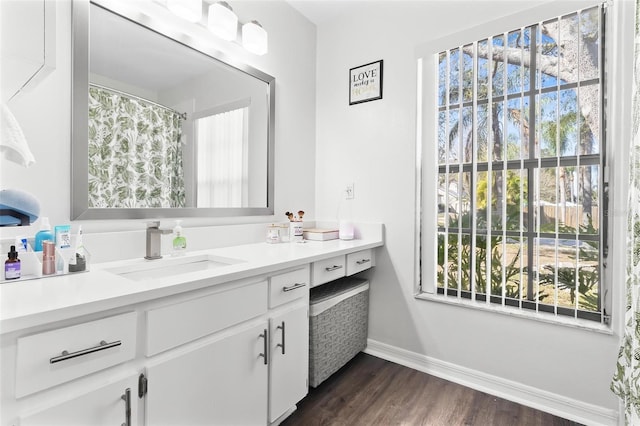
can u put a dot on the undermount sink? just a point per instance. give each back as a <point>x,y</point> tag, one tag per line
<point>171,266</point>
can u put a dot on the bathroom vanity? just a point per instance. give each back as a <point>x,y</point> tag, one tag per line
<point>214,337</point>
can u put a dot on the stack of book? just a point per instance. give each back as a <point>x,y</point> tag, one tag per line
<point>317,234</point>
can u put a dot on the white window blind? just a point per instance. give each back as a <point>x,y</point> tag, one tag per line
<point>519,169</point>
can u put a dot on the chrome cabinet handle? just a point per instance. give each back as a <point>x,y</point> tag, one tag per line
<point>266,347</point>
<point>127,401</point>
<point>281,327</point>
<point>293,287</point>
<point>65,355</point>
<point>142,386</point>
<point>363,261</point>
<point>333,268</point>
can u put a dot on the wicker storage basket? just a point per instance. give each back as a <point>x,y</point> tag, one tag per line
<point>338,322</point>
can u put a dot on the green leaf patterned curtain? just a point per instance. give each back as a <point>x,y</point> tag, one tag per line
<point>135,157</point>
<point>626,380</point>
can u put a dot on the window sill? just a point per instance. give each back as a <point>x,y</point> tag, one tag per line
<point>536,316</point>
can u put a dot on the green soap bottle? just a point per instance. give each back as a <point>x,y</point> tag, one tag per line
<point>179,241</point>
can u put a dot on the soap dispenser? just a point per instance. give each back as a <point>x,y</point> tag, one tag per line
<point>179,241</point>
<point>43,234</point>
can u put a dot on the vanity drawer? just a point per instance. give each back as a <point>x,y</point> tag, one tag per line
<point>174,325</point>
<point>289,286</point>
<point>328,270</point>
<point>359,261</point>
<point>57,356</point>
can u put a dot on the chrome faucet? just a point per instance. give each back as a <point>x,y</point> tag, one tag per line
<point>154,245</point>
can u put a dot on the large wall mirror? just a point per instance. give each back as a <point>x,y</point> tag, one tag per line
<point>160,129</point>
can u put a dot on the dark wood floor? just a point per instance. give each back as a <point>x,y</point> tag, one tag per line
<point>372,391</point>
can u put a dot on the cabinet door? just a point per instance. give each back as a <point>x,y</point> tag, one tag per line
<point>106,406</point>
<point>289,359</point>
<point>220,382</point>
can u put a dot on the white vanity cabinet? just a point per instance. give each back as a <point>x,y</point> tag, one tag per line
<point>326,270</point>
<point>359,261</point>
<point>251,372</point>
<point>112,404</point>
<point>289,340</point>
<point>221,381</point>
<point>45,374</point>
<point>221,349</point>
<point>289,363</point>
<point>58,356</point>
<point>208,358</point>
<point>231,353</point>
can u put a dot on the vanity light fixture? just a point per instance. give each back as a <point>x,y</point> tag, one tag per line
<point>222,21</point>
<point>254,38</point>
<point>190,10</point>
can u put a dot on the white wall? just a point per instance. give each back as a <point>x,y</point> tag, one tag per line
<point>44,113</point>
<point>373,145</point>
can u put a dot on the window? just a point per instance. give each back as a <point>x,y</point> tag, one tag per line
<point>223,158</point>
<point>520,168</point>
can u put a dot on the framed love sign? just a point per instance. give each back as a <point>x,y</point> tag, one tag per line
<point>365,83</point>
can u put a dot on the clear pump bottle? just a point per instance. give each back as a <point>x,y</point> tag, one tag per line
<point>179,241</point>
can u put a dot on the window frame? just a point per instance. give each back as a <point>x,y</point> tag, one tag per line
<point>427,169</point>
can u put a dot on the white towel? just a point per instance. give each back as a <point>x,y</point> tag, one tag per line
<point>13,145</point>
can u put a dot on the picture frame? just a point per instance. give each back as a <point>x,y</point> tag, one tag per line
<point>365,82</point>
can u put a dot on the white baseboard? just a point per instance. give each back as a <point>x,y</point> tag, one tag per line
<point>549,402</point>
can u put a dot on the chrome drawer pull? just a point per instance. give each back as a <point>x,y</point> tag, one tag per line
<point>293,287</point>
<point>126,397</point>
<point>281,345</point>
<point>333,268</point>
<point>68,355</point>
<point>265,355</point>
<point>363,261</point>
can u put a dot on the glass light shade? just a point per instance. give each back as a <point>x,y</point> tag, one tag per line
<point>223,22</point>
<point>190,10</point>
<point>254,38</point>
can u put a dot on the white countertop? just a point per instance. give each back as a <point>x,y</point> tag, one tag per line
<point>25,304</point>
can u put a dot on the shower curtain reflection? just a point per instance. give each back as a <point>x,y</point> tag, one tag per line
<point>135,153</point>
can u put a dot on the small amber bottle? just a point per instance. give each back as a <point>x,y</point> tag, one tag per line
<point>12,265</point>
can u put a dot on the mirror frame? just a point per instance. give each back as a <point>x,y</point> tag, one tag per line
<point>79,129</point>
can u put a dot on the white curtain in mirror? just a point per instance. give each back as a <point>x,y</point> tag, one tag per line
<point>223,159</point>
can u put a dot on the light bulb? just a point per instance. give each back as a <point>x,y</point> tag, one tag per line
<point>254,38</point>
<point>223,22</point>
